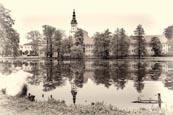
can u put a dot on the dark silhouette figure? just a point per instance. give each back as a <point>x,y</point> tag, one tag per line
<point>159,99</point>
<point>24,91</point>
<point>31,97</point>
<point>51,96</point>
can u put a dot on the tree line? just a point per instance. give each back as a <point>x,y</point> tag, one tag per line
<point>106,44</point>
<point>117,44</point>
<point>56,41</point>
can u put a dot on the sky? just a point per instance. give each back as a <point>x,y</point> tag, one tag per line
<point>92,15</point>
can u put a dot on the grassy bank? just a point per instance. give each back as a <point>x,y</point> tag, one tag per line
<point>22,106</point>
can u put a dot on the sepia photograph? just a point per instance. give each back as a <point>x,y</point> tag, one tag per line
<point>86,57</point>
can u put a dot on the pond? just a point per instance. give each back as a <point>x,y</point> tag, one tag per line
<point>115,82</point>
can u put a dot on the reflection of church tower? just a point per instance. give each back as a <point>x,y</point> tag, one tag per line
<point>73,91</point>
<point>73,24</point>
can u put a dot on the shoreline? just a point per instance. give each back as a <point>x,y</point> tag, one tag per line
<point>22,106</point>
<point>88,58</point>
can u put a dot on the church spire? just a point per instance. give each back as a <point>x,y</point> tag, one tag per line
<point>74,21</point>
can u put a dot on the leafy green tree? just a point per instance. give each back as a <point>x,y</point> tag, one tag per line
<point>101,43</point>
<point>9,38</point>
<point>35,37</point>
<point>169,32</point>
<point>156,46</point>
<point>140,45</point>
<point>119,44</point>
<point>48,32</point>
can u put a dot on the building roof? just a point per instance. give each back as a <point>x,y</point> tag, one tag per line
<point>162,38</point>
<point>29,43</point>
<point>148,38</point>
<point>87,39</point>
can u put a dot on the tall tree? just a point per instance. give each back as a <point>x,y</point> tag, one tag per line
<point>77,50</point>
<point>156,46</point>
<point>57,42</point>
<point>66,46</point>
<point>140,45</point>
<point>48,32</point>
<point>9,38</point>
<point>79,37</point>
<point>119,44</point>
<point>101,43</point>
<point>169,35</point>
<point>35,37</point>
<point>169,32</point>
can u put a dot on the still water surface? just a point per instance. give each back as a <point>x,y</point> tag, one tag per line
<point>115,82</point>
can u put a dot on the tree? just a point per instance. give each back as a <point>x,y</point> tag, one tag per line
<point>140,45</point>
<point>48,32</point>
<point>9,38</point>
<point>35,37</point>
<point>101,43</point>
<point>119,44</point>
<point>77,52</point>
<point>79,37</point>
<point>66,46</point>
<point>57,42</point>
<point>156,46</point>
<point>169,35</point>
<point>169,32</point>
<point>26,52</point>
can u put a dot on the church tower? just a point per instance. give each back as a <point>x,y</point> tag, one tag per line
<point>73,24</point>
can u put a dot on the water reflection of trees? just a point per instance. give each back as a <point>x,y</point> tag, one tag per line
<point>120,73</point>
<point>53,76</point>
<point>78,69</point>
<point>107,72</point>
<point>102,72</point>
<point>5,68</point>
<point>35,78</point>
<point>140,73</point>
<point>57,74</point>
<point>156,71</point>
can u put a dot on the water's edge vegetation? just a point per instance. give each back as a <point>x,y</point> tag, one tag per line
<point>22,106</point>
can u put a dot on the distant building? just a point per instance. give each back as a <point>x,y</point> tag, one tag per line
<point>26,49</point>
<point>148,38</point>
